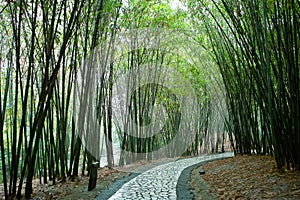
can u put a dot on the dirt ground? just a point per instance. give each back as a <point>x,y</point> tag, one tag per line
<point>245,177</point>
<point>75,190</point>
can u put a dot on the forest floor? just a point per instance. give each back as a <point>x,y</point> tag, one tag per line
<point>245,177</point>
<point>77,189</point>
<point>241,177</point>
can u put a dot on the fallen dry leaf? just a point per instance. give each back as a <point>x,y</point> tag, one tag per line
<point>247,177</point>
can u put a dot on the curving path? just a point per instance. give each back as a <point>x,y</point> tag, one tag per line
<point>160,182</point>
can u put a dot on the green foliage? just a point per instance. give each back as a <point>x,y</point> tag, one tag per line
<point>256,47</point>
<point>153,14</point>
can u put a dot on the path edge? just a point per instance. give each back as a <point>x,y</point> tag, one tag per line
<point>183,187</point>
<point>115,186</point>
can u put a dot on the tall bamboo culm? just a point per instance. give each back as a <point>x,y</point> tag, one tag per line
<point>256,44</point>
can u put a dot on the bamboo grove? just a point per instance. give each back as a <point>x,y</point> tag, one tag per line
<point>256,45</point>
<point>246,81</point>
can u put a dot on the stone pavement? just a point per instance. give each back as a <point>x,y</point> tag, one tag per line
<point>159,182</point>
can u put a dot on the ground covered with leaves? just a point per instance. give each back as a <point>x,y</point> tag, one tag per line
<point>77,189</point>
<point>245,177</point>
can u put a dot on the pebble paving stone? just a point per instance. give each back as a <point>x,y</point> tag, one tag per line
<point>161,182</point>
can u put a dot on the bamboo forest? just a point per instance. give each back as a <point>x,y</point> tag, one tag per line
<point>116,82</point>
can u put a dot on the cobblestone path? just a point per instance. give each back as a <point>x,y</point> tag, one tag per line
<point>160,182</point>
